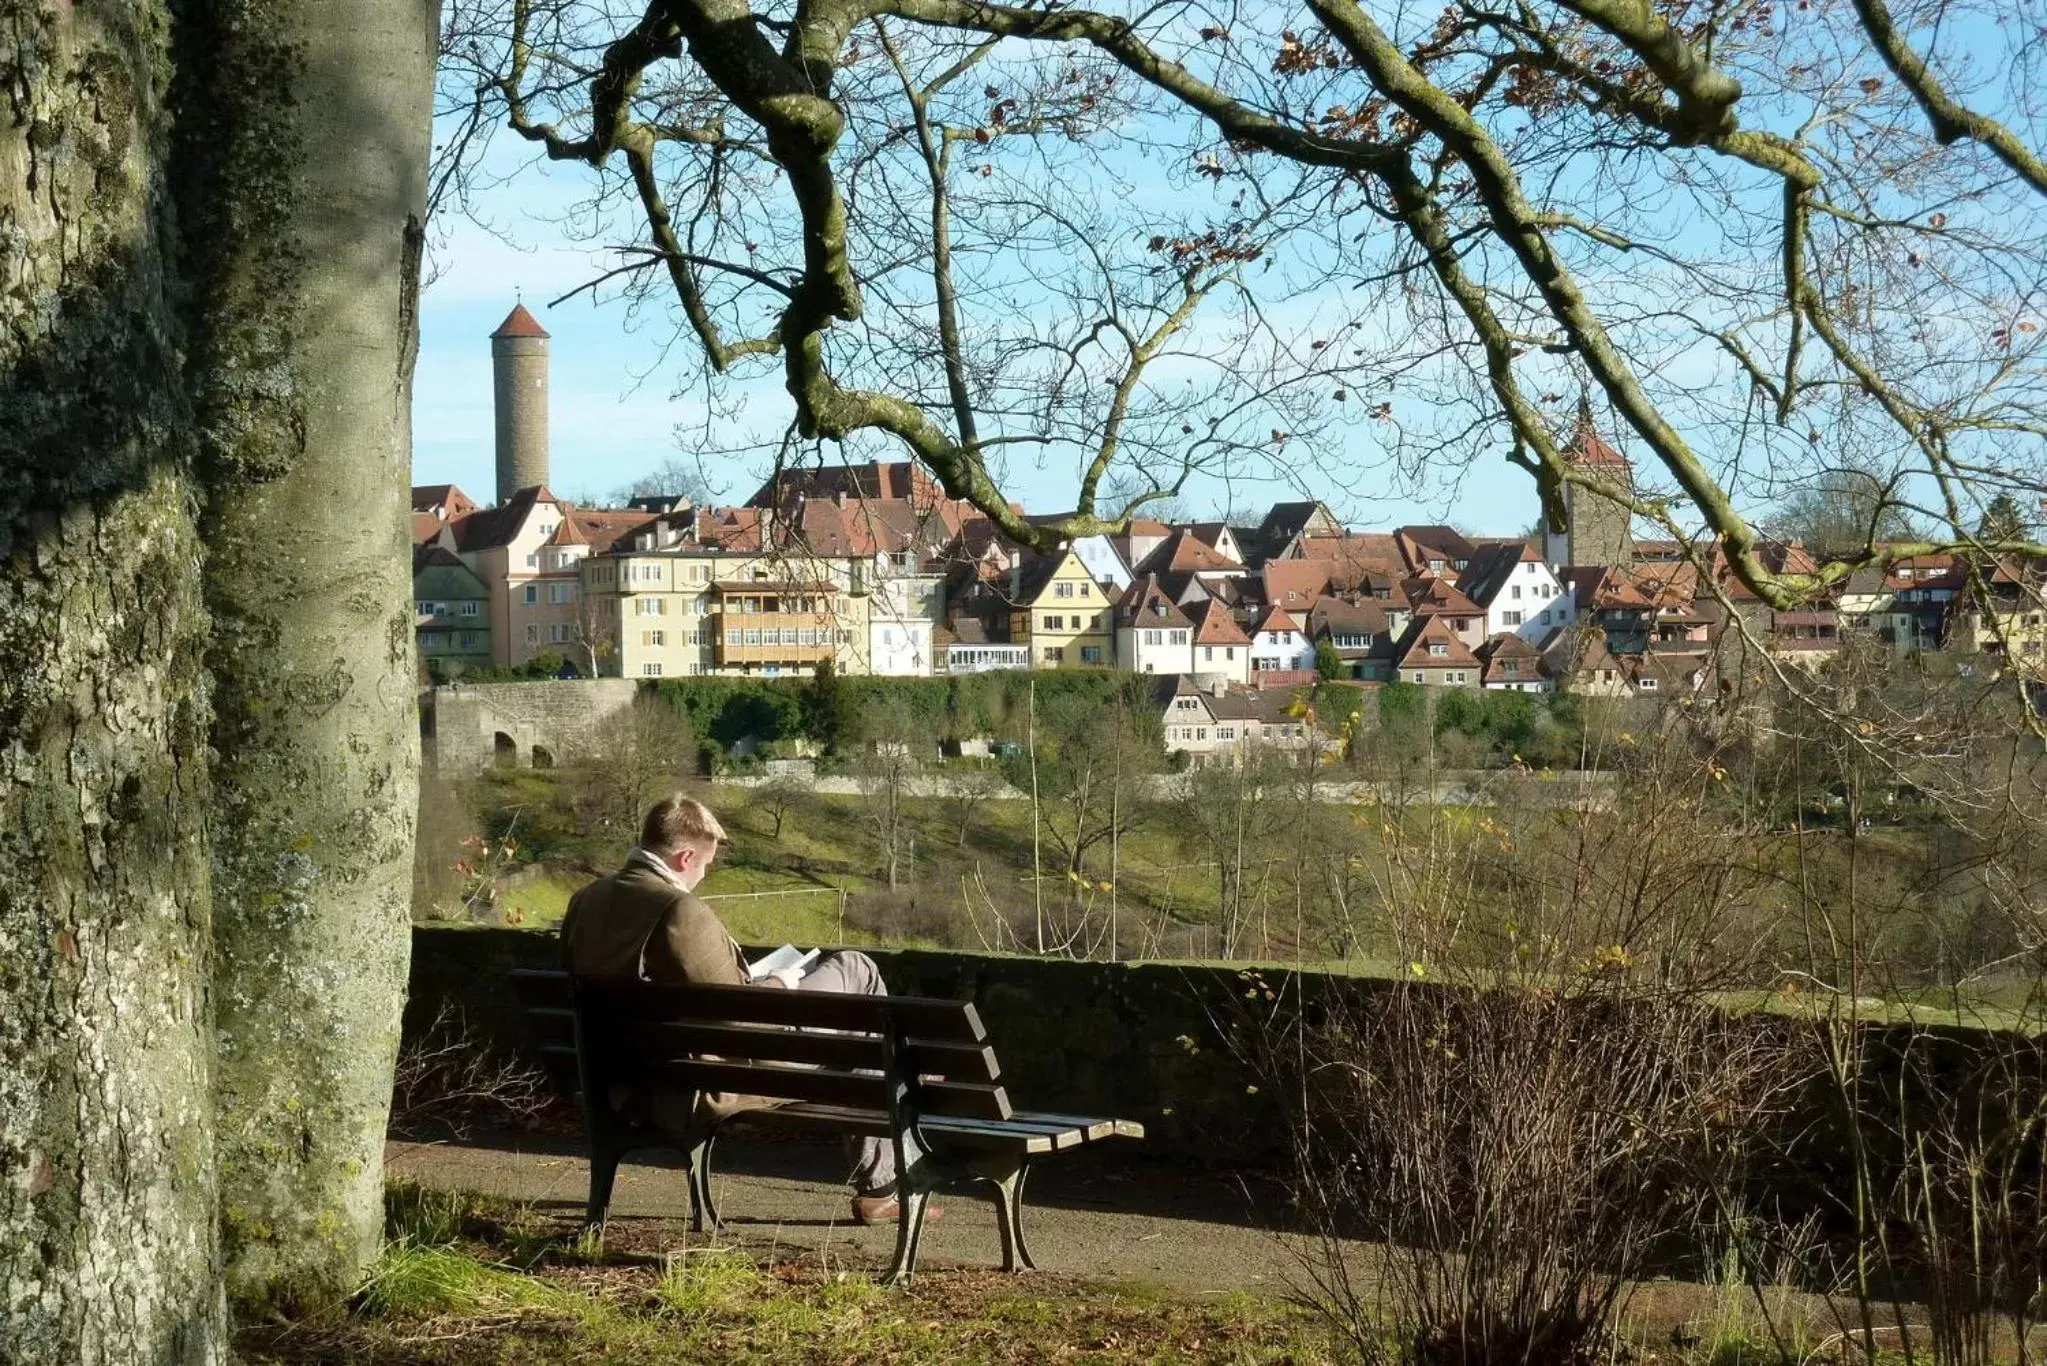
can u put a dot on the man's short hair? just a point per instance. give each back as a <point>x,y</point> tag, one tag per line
<point>676,820</point>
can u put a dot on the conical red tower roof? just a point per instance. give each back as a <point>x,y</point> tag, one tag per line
<point>519,323</point>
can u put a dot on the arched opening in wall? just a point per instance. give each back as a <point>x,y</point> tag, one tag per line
<point>542,758</point>
<point>505,751</point>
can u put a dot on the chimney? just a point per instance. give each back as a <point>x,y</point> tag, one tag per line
<point>518,362</point>
<point>1016,581</point>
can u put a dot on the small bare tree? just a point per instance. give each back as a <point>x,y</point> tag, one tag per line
<point>776,796</point>
<point>892,742</point>
<point>639,755</point>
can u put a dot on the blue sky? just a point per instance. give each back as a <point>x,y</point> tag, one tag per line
<point>618,390</point>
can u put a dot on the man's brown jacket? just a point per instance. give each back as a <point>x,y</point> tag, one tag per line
<point>638,924</point>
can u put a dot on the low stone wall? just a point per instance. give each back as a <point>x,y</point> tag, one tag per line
<point>1144,1042</point>
<point>471,726</point>
<point>1174,1047</point>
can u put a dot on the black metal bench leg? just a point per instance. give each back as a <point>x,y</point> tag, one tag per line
<point>909,1232</point>
<point>1008,1188</point>
<point>702,1209</point>
<point>604,1160</point>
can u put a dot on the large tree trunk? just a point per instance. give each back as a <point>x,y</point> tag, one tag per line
<point>107,1201</point>
<point>309,261</point>
<point>208,224</point>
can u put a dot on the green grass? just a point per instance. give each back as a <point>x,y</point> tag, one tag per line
<point>467,1280</point>
<point>540,902</point>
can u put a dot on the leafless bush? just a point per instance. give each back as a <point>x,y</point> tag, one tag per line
<point>1526,1155</point>
<point>448,1082</point>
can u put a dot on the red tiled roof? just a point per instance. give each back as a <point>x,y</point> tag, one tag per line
<point>1185,553</point>
<point>1430,596</point>
<point>1213,625</point>
<point>1428,631</point>
<point>1278,619</point>
<point>1145,604</point>
<point>1295,583</point>
<point>519,323</point>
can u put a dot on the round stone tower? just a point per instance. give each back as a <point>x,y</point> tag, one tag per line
<point>518,362</point>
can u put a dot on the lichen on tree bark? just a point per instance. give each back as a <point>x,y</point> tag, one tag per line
<point>108,1250</point>
<point>315,132</point>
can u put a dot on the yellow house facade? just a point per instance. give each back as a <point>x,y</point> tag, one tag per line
<point>692,612</point>
<point>1063,614</point>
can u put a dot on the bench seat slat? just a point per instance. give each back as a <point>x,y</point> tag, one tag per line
<point>1095,1127</point>
<point>977,1135</point>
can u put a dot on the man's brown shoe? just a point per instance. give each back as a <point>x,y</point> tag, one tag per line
<point>885,1209</point>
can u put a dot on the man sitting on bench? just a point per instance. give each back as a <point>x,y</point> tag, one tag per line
<point>645,921</point>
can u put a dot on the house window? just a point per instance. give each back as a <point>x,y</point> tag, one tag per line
<point>732,637</point>
<point>1225,732</point>
<point>1511,618</point>
<point>1420,677</point>
<point>424,609</point>
<point>532,635</point>
<point>1230,652</point>
<point>533,560</point>
<point>1207,653</point>
<point>1055,654</point>
<point>1055,623</point>
<point>558,633</point>
<point>1179,638</point>
<point>468,639</point>
<point>430,640</point>
<point>657,638</point>
<point>1516,592</point>
<point>472,608</point>
<point>1062,590</point>
<point>1648,685</point>
<point>1153,637</point>
<point>650,671</point>
<point>1457,677</point>
<point>1090,654</point>
<point>1545,618</point>
<point>533,592</point>
<point>1438,649</point>
<point>753,635</point>
<point>1435,566</point>
<point>1201,732</point>
<point>1087,590</point>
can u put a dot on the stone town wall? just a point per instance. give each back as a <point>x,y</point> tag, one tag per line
<point>471,726</point>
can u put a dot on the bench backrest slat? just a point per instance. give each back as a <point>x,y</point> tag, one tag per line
<point>824,1086</point>
<point>764,1041</point>
<point>918,1017</point>
<point>849,1052</point>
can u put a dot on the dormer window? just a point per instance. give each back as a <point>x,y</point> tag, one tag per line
<point>1436,649</point>
<point>1435,566</point>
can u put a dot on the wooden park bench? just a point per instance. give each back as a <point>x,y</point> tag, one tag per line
<point>917,1071</point>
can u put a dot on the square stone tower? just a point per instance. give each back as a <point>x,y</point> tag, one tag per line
<point>518,362</point>
<point>1597,531</point>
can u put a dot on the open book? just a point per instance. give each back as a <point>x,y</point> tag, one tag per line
<point>787,956</point>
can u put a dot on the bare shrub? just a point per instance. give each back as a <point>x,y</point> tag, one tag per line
<point>449,1082</point>
<point>1526,1154</point>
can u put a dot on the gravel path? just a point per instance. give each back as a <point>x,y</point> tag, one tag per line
<point>1086,1214</point>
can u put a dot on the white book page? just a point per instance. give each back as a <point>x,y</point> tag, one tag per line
<point>788,956</point>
